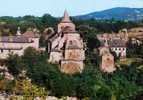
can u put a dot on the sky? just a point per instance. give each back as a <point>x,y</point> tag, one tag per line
<point>57,7</point>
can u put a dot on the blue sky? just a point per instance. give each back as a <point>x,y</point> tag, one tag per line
<point>57,7</point>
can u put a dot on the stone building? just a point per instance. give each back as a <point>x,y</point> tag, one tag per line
<point>107,60</point>
<point>115,41</point>
<point>119,47</point>
<point>17,44</point>
<point>66,47</point>
<point>136,32</point>
<point>136,35</point>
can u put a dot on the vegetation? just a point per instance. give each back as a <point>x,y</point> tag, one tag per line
<point>8,25</point>
<point>124,84</point>
<point>134,50</point>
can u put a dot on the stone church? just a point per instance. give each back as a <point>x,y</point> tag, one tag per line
<point>66,47</point>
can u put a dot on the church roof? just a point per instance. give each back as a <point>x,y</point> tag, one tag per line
<point>66,17</point>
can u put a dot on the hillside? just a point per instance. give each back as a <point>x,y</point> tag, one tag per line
<point>119,13</point>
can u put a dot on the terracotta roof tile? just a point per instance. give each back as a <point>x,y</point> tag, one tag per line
<point>29,34</point>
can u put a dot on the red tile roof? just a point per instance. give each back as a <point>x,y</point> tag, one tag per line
<point>29,34</point>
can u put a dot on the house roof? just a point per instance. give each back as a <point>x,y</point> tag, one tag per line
<point>117,43</point>
<point>11,48</point>
<point>14,39</point>
<point>29,34</point>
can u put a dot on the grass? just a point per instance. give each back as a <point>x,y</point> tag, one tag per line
<point>128,61</point>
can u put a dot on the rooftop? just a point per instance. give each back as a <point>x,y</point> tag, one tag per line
<point>29,34</point>
<point>24,38</point>
<point>66,17</point>
<point>14,39</point>
<point>117,43</point>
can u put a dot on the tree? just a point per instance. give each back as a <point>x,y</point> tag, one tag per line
<point>15,64</point>
<point>48,20</point>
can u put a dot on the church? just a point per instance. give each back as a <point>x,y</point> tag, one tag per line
<point>66,47</point>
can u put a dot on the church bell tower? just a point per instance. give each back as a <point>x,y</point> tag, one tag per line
<point>73,54</point>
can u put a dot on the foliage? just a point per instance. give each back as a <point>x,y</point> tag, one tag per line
<point>6,85</point>
<point>97,26</point>
<point>48,20</point>
<point>15,64</point>
<point>109,26</point>
<point>27,89</point>
<point>134,50</point>
<point>123,84</point>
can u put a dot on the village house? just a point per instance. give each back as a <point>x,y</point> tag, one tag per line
<point>66,47</point>
<point>119,47</point>
<point>136,33</point>
<point>115,41</point>
<point>17,44</point>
